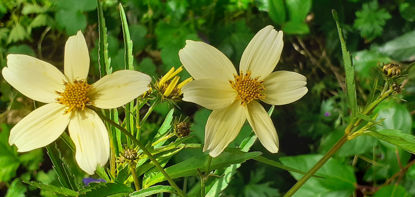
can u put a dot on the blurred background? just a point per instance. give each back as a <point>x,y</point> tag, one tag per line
<point>377,32</point>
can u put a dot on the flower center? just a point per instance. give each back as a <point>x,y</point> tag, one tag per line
<point>75,96</point>
<point>248,88</point>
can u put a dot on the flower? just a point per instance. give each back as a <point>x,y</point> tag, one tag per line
<point>168,85</point>
<point>67,96</point>
<point>234,98</point>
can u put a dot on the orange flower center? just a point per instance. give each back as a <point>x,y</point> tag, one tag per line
<point>248,88</point>
<point>75,96</point>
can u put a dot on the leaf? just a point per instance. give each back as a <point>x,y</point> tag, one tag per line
<point>401,48</point>
<point>166,123</point>
<point>138,35</point>
<point>70,21</point>
<point>407,10</point>
<point>32,160</point>
<point>333,179</point>
<point>9,160</point>
<point>298,9</point>
<point>33,9</point>
<point>370,20</point>
<point>396,137</point>
<point>367,61</point>
<point>293,27</point>
<point>103,57</point>
<point>153,190</point>
<point>41,20</point>
<point>392,191</point>
<point>65,176</point>
<point>191,166</point>
<point>52,188</point>
<point>16,189</point>
<point>17,33</point>
<point>394,116</point>
<point>21,49</point>
<point>349,69</point>
<point>104,189</point>
<point>276,11</point>
<point>147,66</point>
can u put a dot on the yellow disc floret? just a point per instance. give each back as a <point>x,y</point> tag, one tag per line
<point>75,96</point>
<point>248,88</point>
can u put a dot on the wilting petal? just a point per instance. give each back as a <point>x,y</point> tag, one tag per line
<point>34,78</point>
<point>211,94</point>
<point>118,88</point>
<point>76,59</point>
<point>283,87</point>
<point>262,125</point>
<point>222,127</point>
<point>203,61</point>
<point>262,53</point>
<point>90,137</point>
<point>40,128</point>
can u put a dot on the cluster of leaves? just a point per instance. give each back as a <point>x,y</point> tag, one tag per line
<point>158,30</point>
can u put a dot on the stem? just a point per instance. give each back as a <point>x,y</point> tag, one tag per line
<point>145,151</point>
<point>317,166</point>
<point>134,174</point>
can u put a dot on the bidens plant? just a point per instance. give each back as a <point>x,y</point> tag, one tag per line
<point>68,96</point>
<point>234,97</point>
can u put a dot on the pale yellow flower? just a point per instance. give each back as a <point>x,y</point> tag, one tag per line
<point>234,98</point>
<point>67,96</point>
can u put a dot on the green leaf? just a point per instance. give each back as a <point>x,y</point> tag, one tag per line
<point>191,166</point>
<point>407,10</point>
<point>77,5</point>
<point>396,137</point>
<point>41,20</point>
<point>21,49</point>
<point>65,176</point>
<point>334,180</point>
<point>104,189</point>
<point>367,61</point>
<point>9,160</point>
<point>392,191</point>
<point>147,66</point>
<point>349,69</point>
<point>138,35</point>
<point>276,11</point>
<point>32,160</point>
<point>166,124</point>
<point>128,44</point>
<point>17,33</point>
<point>70,21</point>
<point>16,189</point>
<point>293,27</point>
<point>298,9</point>
<point>370,20</point>
<point>103,57</point>
<point>394,116</point>
<point>153,190</point>
<point>52,188</point>
<point>401,48</point>
<point>33,9</point>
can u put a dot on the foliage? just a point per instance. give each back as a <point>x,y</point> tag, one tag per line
<point>344,78</point>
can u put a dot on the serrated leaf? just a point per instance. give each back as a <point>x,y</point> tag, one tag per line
<point>54,189</point>
<point>370,20</point>
<point>396,137</point>
<point>192,165</point>
<point>153,190</point>
<point>65,176</point>
<point>349,69</point>
<point>166,125</point>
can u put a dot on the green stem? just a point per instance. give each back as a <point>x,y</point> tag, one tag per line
<point>145,151</point>
<point>202,186</point>
<point>317,166</point>
<point>134,174</point>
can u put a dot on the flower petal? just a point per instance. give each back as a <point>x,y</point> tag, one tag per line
<point>262,53</point>
<point>203,61</point>
<point>34,78</point>
<point>40,128</point>
<point>76,60</point>
<point>283,87</point>
<point>90,137</point>
<point>222,127</point>
<point>262,125</point>
<point>118,88</point>
<point>211,94</point>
